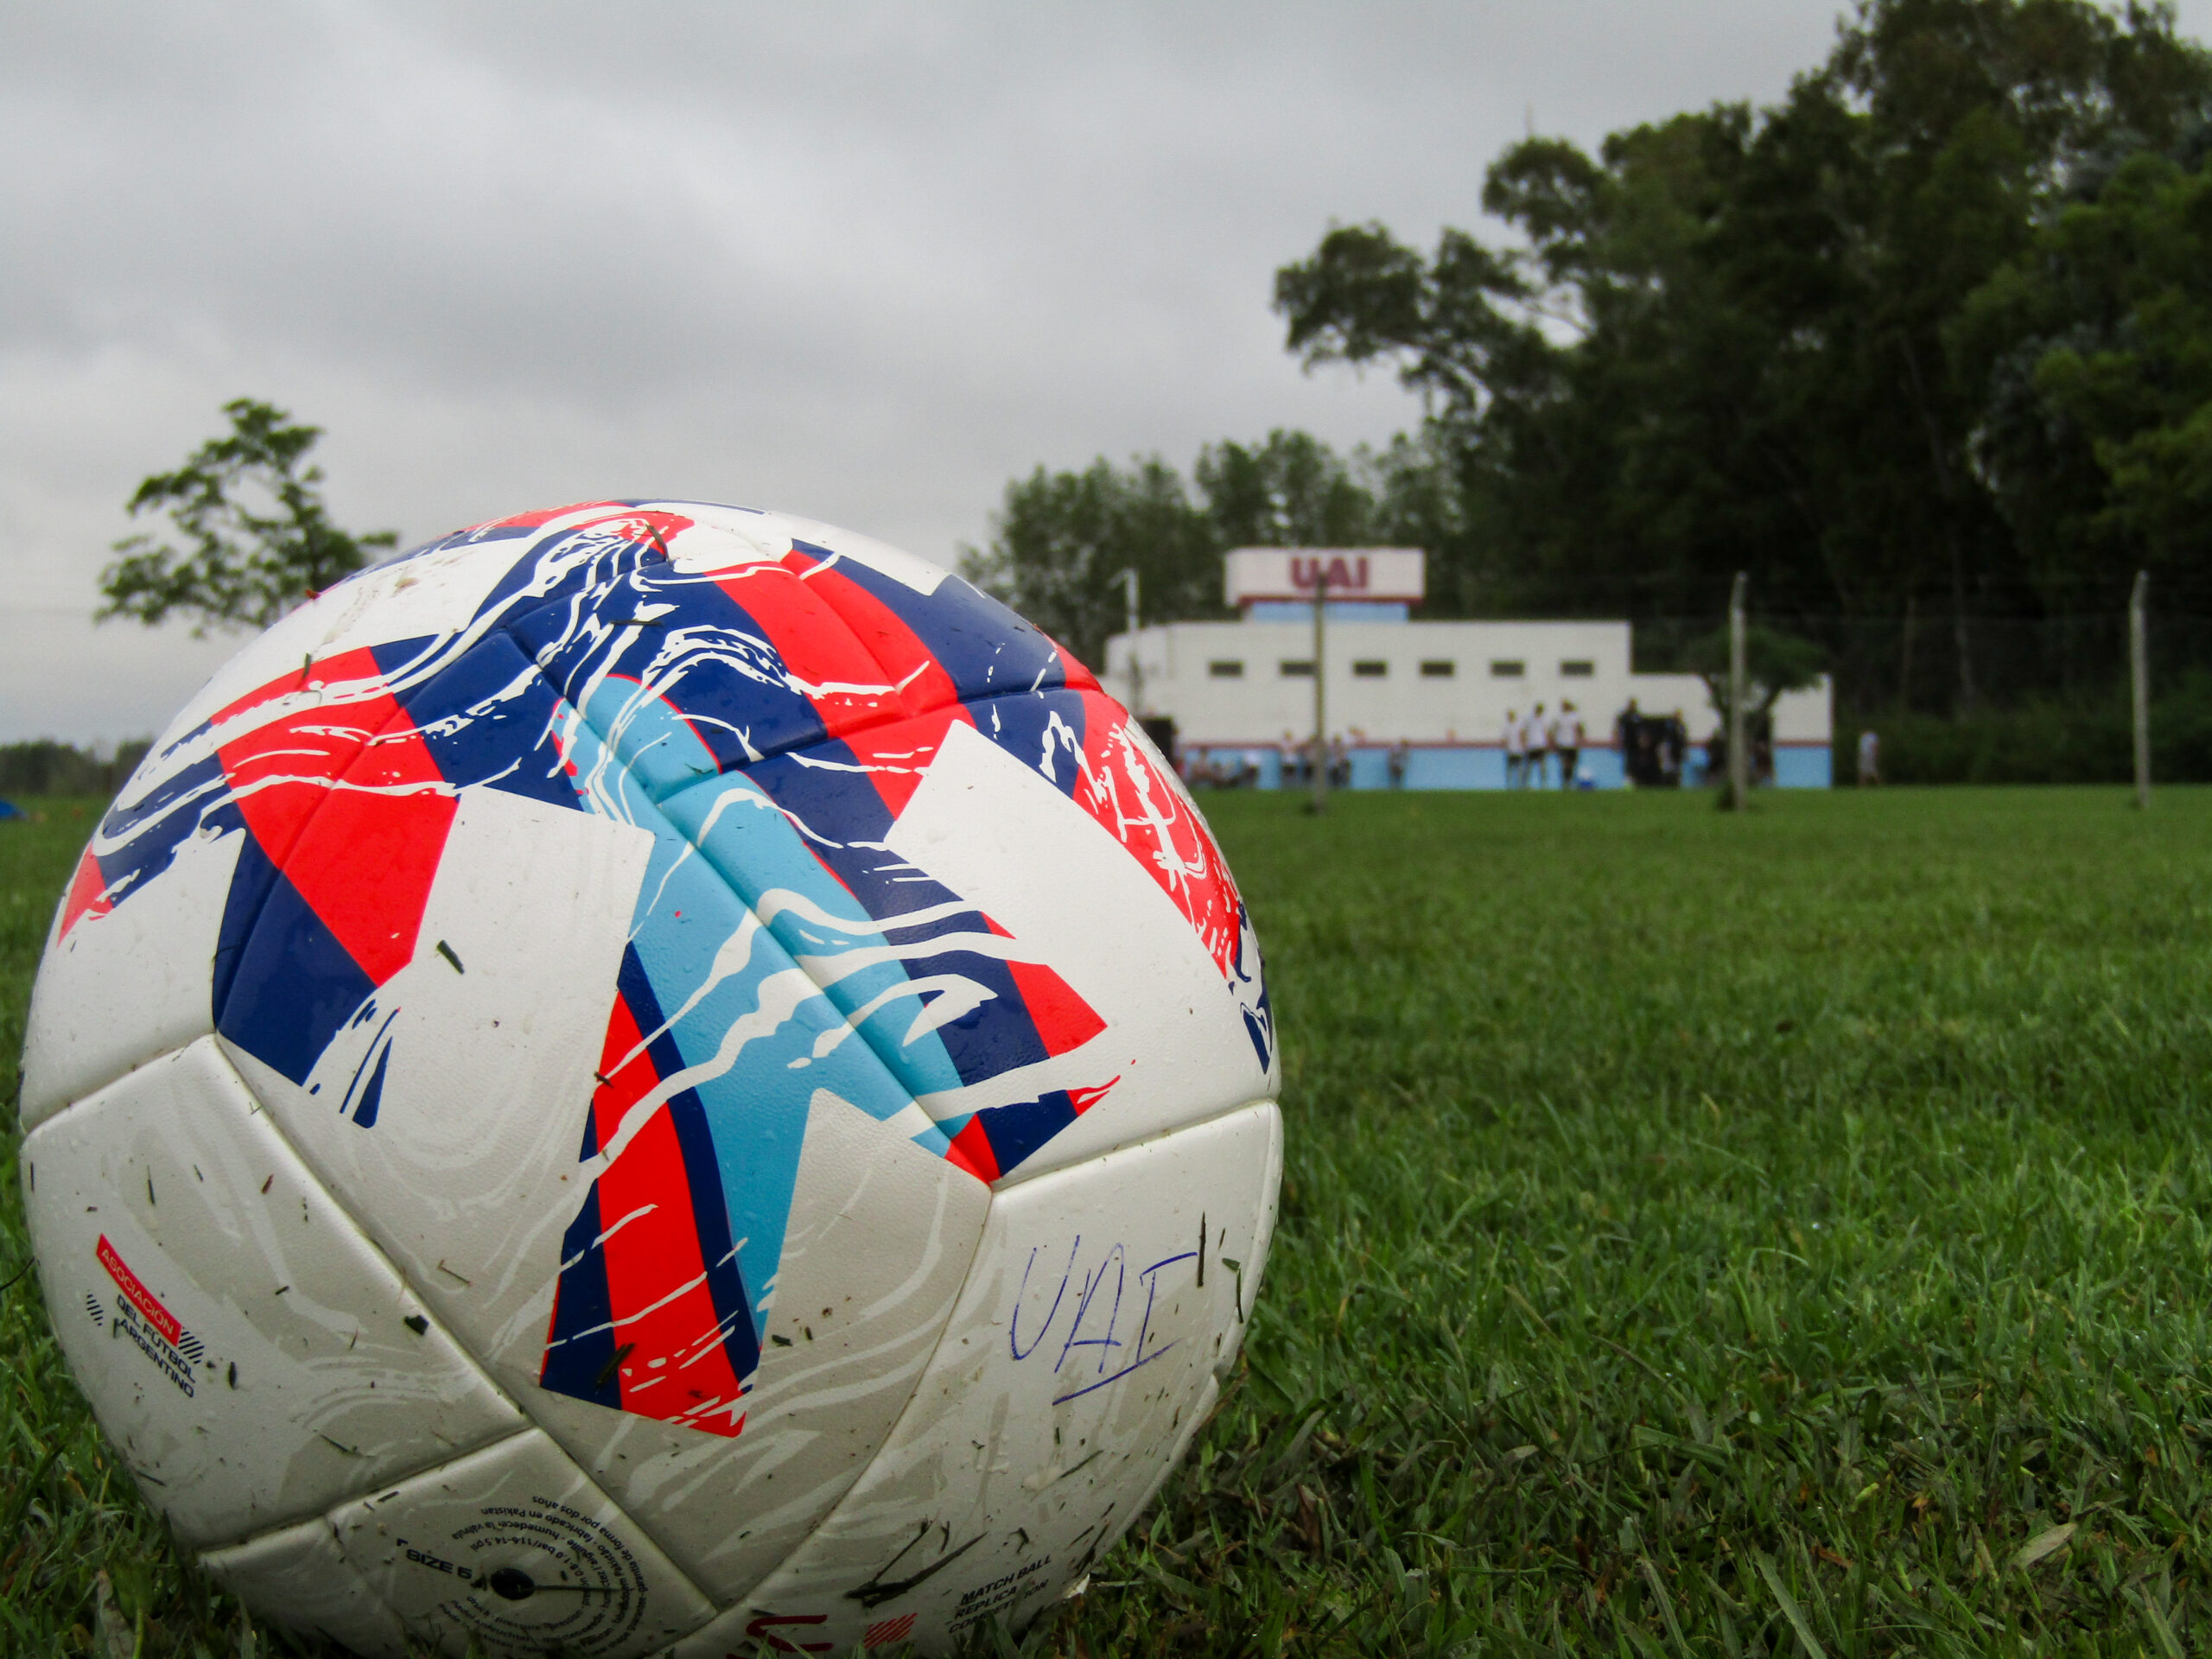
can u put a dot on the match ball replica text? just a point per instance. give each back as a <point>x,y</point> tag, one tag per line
<point>650,1077</point>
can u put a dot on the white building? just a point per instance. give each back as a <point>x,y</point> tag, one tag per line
<point>1244,690</point>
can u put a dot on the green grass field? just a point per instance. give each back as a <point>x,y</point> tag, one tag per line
<point>1701,1235</point>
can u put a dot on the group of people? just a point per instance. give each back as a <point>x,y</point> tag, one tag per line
<point>1758,752</point>
<point>1295,760</point>
<point>1654,748</point>
<point>1543,750</point>
<point>1298,760</point>
<point>1533,740</point>
<point>1239,771</point>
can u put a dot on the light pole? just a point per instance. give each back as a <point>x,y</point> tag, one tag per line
<point>1129,574</point>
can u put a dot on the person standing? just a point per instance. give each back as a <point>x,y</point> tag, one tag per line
<point>1536,746</point>
<point>1566,738</point>
<point>1514,749</point>
<point>1870,759</point>
<point>1400,753</point>
<point>1628,736</point>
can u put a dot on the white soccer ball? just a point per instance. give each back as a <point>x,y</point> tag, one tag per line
<point>650,1076</point>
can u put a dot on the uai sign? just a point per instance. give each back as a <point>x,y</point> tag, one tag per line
<point>1377,572</point>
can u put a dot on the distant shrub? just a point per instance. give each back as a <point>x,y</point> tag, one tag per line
<point>2046,743</point>
<point>46,767</point>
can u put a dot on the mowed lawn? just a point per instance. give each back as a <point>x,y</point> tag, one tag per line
<point>1701,1235</point>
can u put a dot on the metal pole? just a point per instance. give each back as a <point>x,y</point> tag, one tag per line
<point>2139,654</point>
<point>1136,669</point>
<point>1320,803</point>
<point>1739,770</point>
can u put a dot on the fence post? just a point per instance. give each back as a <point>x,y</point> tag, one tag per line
<point>1739,761</point>
<point>2139,654</point>
<point>1320,800</point>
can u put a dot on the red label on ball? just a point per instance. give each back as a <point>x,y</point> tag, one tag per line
<point>139,1297</point>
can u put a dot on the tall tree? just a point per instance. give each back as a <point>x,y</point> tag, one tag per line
<point>1730,341</point>
<point>256,538</point>
<point>1292,491</point>
<point>1061,540</point>
<point>2097,439</point>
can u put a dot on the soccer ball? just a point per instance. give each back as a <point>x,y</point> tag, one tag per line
<point>650,1076</point>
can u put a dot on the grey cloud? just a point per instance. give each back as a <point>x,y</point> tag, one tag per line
<point>865,261</point>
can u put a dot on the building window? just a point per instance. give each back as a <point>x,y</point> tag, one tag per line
<point>1439,670</point>
<point>1226,671</point>
<point>1369,671</point>
<point>1293,668</point>
<point>1577,670</point>
<point>1507,670</point>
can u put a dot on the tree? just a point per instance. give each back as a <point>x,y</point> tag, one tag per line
<point>1292,491</point>
<point>1733,340</point>
<point>2099,336</point>
<point>1060,540</point>
<point>256,538</point>
<point>1774,661</point>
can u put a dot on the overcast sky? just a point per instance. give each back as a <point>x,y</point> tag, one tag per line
<point>862,262</point>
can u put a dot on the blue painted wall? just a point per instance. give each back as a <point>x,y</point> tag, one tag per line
<point>1468,766</point>
<point>1805,767</point>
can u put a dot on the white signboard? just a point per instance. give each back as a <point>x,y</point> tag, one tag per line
<point>1388,573</point>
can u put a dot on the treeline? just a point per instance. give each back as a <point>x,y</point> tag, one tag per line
<point>1926,348</point>
<point>46,768</point>
<point>2043,739</point>
<point>1061,540</point>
